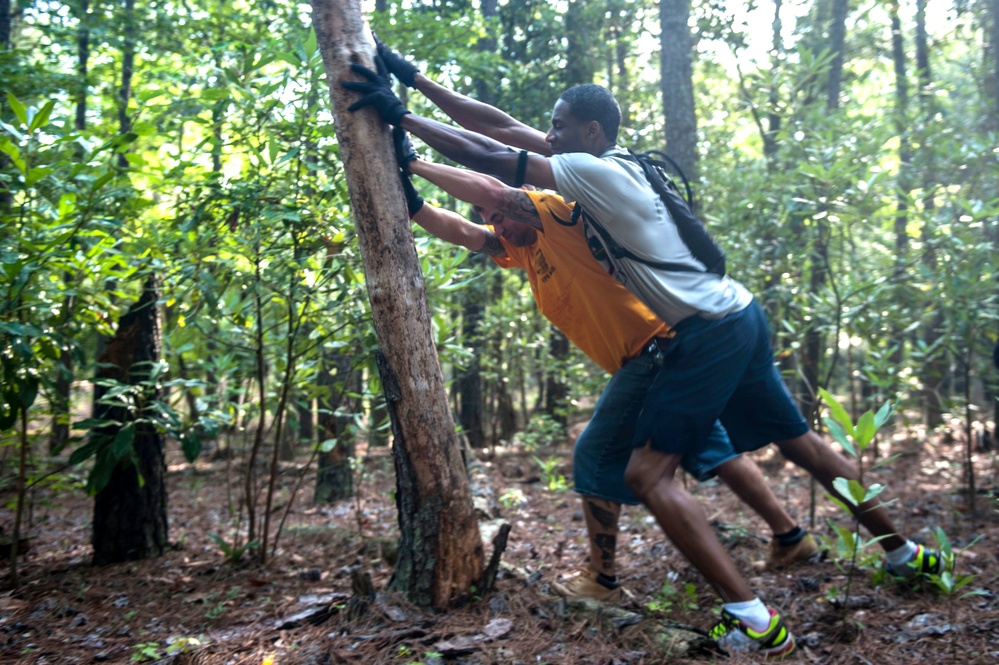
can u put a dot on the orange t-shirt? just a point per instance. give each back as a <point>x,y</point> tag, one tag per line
<point>576,294</point>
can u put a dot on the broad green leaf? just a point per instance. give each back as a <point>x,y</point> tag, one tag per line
<point>19,109</point>
<point>122,443</point>
<point>67,205</point>
<point>838,413</point>
<point>13,131</point>
<point>883,414</point>
<point>9,148</point>
<point>865,430</point>
<point>215,94</point>
<point>311,44</point>
<point>100,182</point>
<point>874,491</point>
<point>41,118</point>
<point>846,490</point>
<point>840,504</point>
<point>94,423</point>
<point>100,475</point>
<point>327,445</point>
<point>836,430</point>
<point>943,542</point>
<point>144,128</point>
<point>27,391</point>
<point>191,444</point>
<point>36,174</point>
<point>87,450</point>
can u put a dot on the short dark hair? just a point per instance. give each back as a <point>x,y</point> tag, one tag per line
<point>594,102</point>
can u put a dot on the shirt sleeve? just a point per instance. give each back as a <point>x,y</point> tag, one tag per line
<point>602,186</point>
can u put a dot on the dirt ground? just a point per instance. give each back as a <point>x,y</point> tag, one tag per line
<point>194,606</point>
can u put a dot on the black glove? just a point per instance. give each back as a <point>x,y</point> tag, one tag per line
<point>413,200</point>
<point>404,151</point>
<point>403,69</point>
<point>377,93</point>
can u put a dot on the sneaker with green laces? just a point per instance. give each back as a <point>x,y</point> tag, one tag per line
<point>733,635</point>
<point>926,562</point>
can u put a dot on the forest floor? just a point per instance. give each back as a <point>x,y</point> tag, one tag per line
<point>194,606</point>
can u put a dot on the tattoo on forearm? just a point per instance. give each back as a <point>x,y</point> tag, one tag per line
<point>492,246</point>
<point>604,517</point>
<point>606,544</point>
<point>519,207</point>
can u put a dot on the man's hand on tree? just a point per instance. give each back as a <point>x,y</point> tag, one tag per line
<point>377,93</point>
<point>404,150</point>
<point>396,64</point>
<point>404,154</point>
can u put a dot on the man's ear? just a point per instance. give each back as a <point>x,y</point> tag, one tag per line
<point>594,130</point>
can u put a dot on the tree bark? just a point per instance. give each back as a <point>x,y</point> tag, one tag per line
<point>334,477</point>
<point>440,553</point>
<point>837,38</point>
<point>4,24</point>
<point>556,391</point>
<point>130,512</point>
<point>677,85</point>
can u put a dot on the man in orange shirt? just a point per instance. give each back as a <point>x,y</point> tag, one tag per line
<point>616,331</point>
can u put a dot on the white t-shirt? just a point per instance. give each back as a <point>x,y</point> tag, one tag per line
<point>615,194</point>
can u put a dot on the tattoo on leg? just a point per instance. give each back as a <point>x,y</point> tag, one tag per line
<point>606,544</point>
<point>605,518</point>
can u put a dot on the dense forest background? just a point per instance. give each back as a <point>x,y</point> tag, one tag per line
<point>171,193</point>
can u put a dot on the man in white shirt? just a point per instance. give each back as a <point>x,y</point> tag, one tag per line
<point>718,367</point>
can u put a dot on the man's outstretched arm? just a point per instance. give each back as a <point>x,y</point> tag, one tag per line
<point>480,190</point>
<point>455,229</point>
<point>471,114</point>
<point>475,151</point>
<point>482,118</point>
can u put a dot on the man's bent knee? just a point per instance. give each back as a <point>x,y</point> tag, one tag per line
<point>647,468</point>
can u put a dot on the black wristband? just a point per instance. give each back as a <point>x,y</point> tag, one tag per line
<point>521,169</point>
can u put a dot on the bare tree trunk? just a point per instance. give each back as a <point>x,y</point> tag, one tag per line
<point>4,24</point>
<point>932,370</point>
<point>837,37</point>
<point>677,86</point>
<point>440,553</point>
<point>5,43</point>
<point>334,477</point>
<point>993,51</point>
<point>127,69</point>
<point>556,392</point>
<point>903,187</point>
<point>130,512</point>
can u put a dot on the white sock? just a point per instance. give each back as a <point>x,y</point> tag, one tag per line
<point>898,557</point>
<point>751,612</point>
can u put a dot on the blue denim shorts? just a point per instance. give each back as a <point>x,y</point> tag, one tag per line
<point>603,449</point>
<point>719,370</point>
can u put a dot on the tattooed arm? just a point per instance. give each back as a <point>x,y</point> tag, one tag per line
<point>482,191</point>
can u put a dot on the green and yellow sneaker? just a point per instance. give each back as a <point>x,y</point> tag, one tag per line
<point>733,635</point>
<point>926,562</point>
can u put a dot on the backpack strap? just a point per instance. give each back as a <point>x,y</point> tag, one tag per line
<point>619,252</point>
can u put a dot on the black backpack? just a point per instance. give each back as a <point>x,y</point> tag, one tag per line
<point>692,231</point>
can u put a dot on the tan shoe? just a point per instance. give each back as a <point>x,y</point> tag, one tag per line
<point>582,583</point>
<point>806,549</point>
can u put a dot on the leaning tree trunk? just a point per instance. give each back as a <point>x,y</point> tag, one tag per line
<point>130,512</point>
<point>440,553</point>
